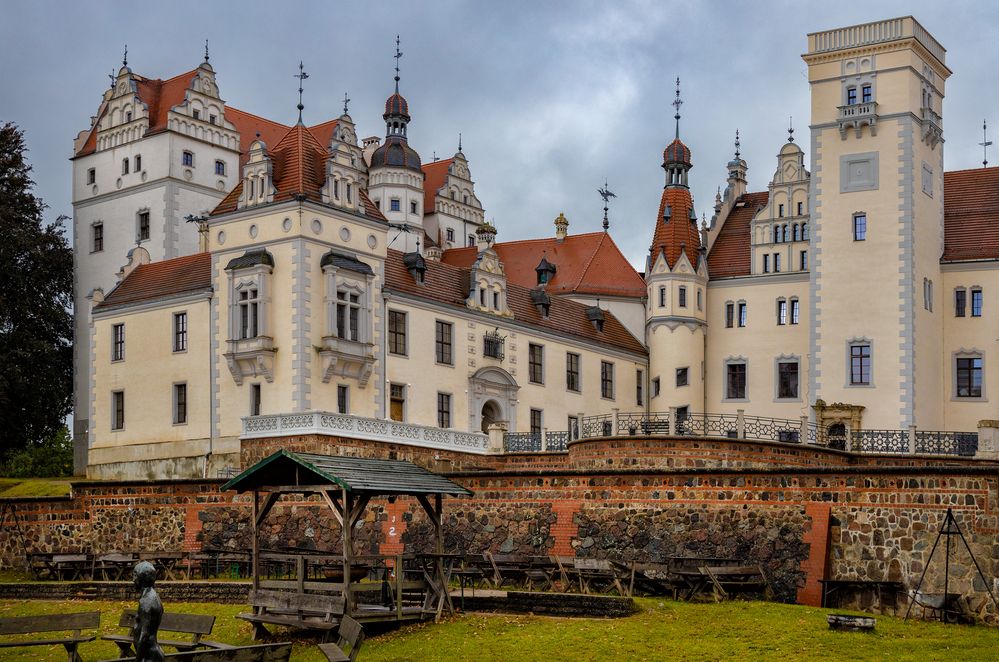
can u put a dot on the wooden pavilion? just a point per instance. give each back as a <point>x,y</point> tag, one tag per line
<point>346,485</point>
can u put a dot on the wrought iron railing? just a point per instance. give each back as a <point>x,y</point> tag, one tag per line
<point>597,426</point>
<point>556,440</point>
<point>535,442</point>
<point>644,423</point>
<point>772,429</point>
<point>881,441</point>
<point>709,425</point>
<point>947,443</point>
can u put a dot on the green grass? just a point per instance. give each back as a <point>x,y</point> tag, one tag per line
<point>34,487</point>
<point>663,630</point>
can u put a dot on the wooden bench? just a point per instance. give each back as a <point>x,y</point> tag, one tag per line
<point>75,623</point>
<point>305,611</point>
<point>192,624</point>
<point>726,580</point>
<point>276,652</point>
<point>597,574</point>
<point>510,568</point>
<point>348,645</point>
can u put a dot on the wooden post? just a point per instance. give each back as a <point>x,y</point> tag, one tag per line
<point>438,525</point>
<point>256,544</point>
<point>399,578</point>
<point>348,552</point>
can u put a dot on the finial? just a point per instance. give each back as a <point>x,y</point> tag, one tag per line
<point>737,144</point>
<point>676,104</point>
<point>112,77</point>
<point>459,141</point>
<point>258,135</point>
<point>417,244</point>
<point>301,76</point>
<point>606,194</point>
<point>206,51</point>
<point>346,100</point>
<point>435,155</point>
<point>124,59</point>
<point>790,129</point>
<point>985,144</point>
<point>398,54</point>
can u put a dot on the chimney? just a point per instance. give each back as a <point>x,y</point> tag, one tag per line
<point>136,256</point>
<point>561,226</point>
<point>485,236</point>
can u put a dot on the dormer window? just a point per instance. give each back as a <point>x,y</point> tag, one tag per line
<point>596,317</point>
<point>545,270</point>
<point>496,301</point>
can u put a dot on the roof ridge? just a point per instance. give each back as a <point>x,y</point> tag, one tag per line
<point>589,262</point>
<point>255,116</point>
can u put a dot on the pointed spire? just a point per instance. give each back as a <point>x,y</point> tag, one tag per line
<point>677,102</point>
<point>206,51</point>
<point>301,76</point>
<point>124,59</point>
<point>737,144</point>
<point>346,100</point>
<point>790,129</point>
<point>398,54</point>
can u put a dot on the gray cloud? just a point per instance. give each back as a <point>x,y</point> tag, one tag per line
<point>551,97</point>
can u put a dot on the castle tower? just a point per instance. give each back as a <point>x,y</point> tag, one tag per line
<point>676,278</point>
<point>395,176</point>
<point>876,201</point>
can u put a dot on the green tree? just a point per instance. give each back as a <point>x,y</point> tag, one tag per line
<point>36,291</point>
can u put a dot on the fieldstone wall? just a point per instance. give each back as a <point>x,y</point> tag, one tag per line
<point>501,528</point>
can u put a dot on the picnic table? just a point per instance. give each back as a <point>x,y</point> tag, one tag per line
<point>886,592</point>
<point>71,567</point>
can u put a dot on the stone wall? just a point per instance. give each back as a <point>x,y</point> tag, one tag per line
<point>802,518</point>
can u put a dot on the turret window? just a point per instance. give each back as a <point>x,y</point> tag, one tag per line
<point>394,204</point>
<point>143,223</point>
<point>249,313</point>
<point>662,297</point>
<point>412,206</point>
<point>700,302</point>
<point>187,159</point>
<point>681,377</point>
<point>124,166</point>
<point>348,314</point>
<point>220,168</point>
<point>92,176</point>
<point>336,191</point>
<point>449,234</point>
<point>138,163</point>
<point>97,229</point>
<point>682,295</point>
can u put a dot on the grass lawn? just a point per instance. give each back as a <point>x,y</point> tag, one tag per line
<point>663,630</point>
<point>34,487</point>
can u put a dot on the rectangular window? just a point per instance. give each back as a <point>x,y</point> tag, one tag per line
<point>254,399</point>
<point>471,240</point>
<point>220,168</point>
<point>336,191</point>
<point>969,377</point>
<point>124,166</point>
<point>536,418</point>
<point>143,225</point>
<point>781,312</point>
<point>729,315</point>
<point>656,387</point>
<point>212,119</point>
<point>735,383</point>
<point>348,315</point>
<point>683,296</point>
<point>187,159</point>
<point>795,311</point>
<point>117,410</point>
<point>742,314</point>
<point>179,404</point>
<point>639,387</point>
<point>492,346</point>
<point>180,332</point>
<point>859,227</point>
<point>118,342</point>
<point>804,260</point>
<point>397,332</point>
<point>572,372</point>
<point>248,313</point>
<point>449,234</point>
<point>851,96</point>
<point>681,376</point>
<point>976,303</point>
<point>801,207</point>
<point>412,206</point>
<point>606,379</point>
<point>397,402</point>
<point>700,301</point>
<point>662,297</point>
<point>92,176</point>
<point>394,204</point>
<point>860,364</point>
<point>535,365</point>
<point>138,163</point>
<point>443,410</point>
<point>349,191</point>
<point>342,399</point>
<point>97,229</point>
<point>776,263</point>
<point>496,301</point>
<point>196,114</point>
<point>960,302</point>
<point>865,94</point>
<point>787,380</point>
<point>766,263</point>
<point>443,347</point>
<point>780,210</point>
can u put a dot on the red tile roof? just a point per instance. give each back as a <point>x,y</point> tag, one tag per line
<point>181,275</point>
<point>588,264</point>
<point>434,177</point>
<point>678,235</point>
<point>448,284</point>
<point>162,95</point>
<point>729,255</point>
<point>971,214</point>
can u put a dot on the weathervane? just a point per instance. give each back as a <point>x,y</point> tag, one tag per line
<point>346,100</point>
<point>206,51</point>
<point>459,141</point>
<point>301,76</point>
<point>606,194</point>
<point>676,104</point>
<point>398,54</point>
<point>790,129</point>
<point>124,59</point>
<point>985,144</point>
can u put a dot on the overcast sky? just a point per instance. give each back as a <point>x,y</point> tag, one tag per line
<point>551,97</point>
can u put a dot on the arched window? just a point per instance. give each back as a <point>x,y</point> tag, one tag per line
<point>783,233</point>
<point>776,234</point>
<point>804,231</point>
<point>794,230</point>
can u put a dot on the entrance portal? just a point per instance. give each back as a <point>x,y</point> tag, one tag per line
<point>490,414</point>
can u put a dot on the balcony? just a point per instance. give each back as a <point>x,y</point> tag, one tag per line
<point>856,115</point>
<point>932,127</point>
<point>359,427</point>
<point>347,358</point>
<point>251,357</point>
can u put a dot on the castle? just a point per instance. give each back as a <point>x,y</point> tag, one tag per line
<point>230,268</point>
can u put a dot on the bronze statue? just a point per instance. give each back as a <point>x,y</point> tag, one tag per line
<point>147,620</point>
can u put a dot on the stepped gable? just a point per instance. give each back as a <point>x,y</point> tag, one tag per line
<point>448,284</point>
<point>434,178</point>
<point>730,253</point>
<point>181,275</point>
<point>971,215</point>
<point>588,263</point>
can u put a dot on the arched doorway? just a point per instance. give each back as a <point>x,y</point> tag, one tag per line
<point>491,413</point>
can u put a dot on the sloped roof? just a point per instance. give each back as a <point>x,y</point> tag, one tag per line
<point>181,275</point>
<point>971,214</point>
<point>162,95</point>
<point>354,474</point>
<point>434,177</point>
<point>730,253</point>
<point>588,263</point>
<point>449,285</point>
<point>680,233</point>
